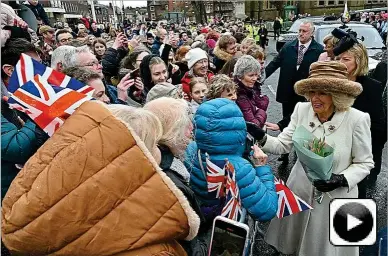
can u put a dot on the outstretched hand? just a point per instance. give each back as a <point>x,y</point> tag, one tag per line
<point>259,158</point>
<point>272,127</point>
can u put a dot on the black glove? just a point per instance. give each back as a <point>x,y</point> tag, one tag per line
<point>335,181</point>
<point>255,131</point>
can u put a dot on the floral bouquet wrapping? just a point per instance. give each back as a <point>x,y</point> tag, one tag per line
<point>315,155</point>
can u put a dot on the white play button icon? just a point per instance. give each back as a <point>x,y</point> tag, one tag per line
<point>352,222</point>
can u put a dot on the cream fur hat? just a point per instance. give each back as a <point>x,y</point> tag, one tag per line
<point>328,76</point>
<point>195,55</point>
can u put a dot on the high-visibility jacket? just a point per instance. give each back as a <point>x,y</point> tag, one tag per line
<point>256,35</point>
<point>250,29</point>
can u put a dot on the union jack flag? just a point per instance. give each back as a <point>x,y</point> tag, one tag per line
<point>232,208</point>
<point>47,105</point>
<point>288,202</point>
<point>27,68</point>
<point>215,176</point>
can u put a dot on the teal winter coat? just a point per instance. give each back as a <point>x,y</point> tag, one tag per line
<point>17,146</point>
<point>220,131</point>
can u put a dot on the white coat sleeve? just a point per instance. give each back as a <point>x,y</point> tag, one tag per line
<point>282,144</point>
<point>362,158</point>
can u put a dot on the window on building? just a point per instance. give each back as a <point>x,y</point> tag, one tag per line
<point>266,5</point>
<point>331,2</point>
<point>321,3</point>
<point>152,9</point>
<point>340,2</point>
<point>152,15</point>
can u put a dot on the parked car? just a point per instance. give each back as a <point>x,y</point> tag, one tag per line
<point>371,38</point>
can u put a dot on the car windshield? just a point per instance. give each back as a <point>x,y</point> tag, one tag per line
<point>295,26</point>
<point>372,39</point>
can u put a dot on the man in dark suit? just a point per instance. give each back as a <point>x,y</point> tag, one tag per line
<point>294,61</point>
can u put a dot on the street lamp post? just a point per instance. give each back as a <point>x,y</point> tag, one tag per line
<point>93,10</point>
<point>114,13</point>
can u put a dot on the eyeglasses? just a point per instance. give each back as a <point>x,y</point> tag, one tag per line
<point>64,40</point>
<point>91,64</point>
<point>204,61</point>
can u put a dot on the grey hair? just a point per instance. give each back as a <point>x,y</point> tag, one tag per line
<point>58,55</point>
<point>341,101</point>
<point>310,23</point>
<point>144,123</point>
<point>175,119</point>
<point>246,64</point>
<point>71,57</point>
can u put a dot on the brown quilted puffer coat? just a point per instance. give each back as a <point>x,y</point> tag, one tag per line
<point>94,189</point>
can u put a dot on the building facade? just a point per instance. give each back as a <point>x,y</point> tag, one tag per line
<point>156,9</point>
<point>267,10</point>
<point>75,10</point>
<point>223,9</point>
<point>239,9</point>
<point>138,14</point>
<point>54,9</point>
<point>102,13</point>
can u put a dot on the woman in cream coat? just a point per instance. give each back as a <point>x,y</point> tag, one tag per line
<point>348,130</point>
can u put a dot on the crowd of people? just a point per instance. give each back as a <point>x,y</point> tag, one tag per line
<point>125,173</point>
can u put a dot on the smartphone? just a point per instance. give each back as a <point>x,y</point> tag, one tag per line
<point>228,237</point>
<point>135,73</point>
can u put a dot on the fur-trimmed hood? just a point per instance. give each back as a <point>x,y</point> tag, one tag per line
<point>94,189</point>
<point>221,54</point>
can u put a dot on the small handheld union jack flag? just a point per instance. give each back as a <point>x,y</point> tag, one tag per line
<point>47,105</point>
<point>27,68</point>
<point>288,202</point>
<point>215,176</point>
<point>232,208</point>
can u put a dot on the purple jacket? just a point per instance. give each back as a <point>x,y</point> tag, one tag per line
<point>252,103</point>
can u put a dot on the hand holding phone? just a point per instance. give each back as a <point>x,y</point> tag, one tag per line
<point>228,237</point>
<point>122,88</point>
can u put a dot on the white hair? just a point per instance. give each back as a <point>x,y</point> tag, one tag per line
<point>71,57</point>
<point>310,23</point>
<point>58,55</point>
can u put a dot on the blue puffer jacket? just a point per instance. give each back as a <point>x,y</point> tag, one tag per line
<point>221,132</point>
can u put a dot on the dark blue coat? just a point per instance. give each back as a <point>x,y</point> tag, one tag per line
<point>286,60</point>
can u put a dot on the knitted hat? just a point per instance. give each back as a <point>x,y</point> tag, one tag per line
<point>162,90</point>
<point>211,43</point>
<point>204,31</point>
<point>328,76</point>
<point>195,55</point>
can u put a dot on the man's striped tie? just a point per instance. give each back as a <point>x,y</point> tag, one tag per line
<point>300,54</point>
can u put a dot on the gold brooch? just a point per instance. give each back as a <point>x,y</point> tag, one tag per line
<point>331,128</point>
<point>312,124</point>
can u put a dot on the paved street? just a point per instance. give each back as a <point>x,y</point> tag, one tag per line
<point>379,193</point>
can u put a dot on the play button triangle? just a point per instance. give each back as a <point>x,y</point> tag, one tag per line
<point>352,222</point>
